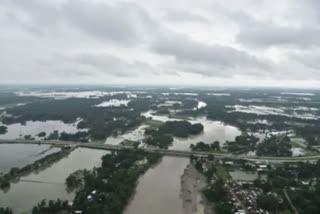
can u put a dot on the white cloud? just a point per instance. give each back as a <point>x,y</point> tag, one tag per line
<point>149,41</point>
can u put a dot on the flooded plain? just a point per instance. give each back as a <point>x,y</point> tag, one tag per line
<point>48,183</point>
<point>300,112</point>
<point>19,155</point>
<point>33,128</point>
<point>213,130</point>
<point>158,190</point>
<point>133,135</point>
<point>114,103</point>
<point>76,94</point>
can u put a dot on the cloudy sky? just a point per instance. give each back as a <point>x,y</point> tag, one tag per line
<point>184,42</point>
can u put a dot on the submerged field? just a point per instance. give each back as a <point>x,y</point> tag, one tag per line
<point>239,122</point>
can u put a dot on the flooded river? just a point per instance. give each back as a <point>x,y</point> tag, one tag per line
<point>158,190</point>
<point>48,183</point>
<point>33,128</point>
<point>134,135</point>
<point>19,155</point>
<point>213,130</point>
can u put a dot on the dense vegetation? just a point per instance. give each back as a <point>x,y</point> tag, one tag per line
<point>162,137</point>
<point>311,134</point>
<point>307,200</point>
<point>108,189</point>
<point>81,136</point>
<point>17,172</point>
<point>100,121</point>
<point>242,144</point>
<point>9,98</point>
<point>115,180</point>
<point>42,134</point>
<point>52,207</point>
<point>3,129</point>
<point>268,202</point>
<point>275,146</point>
<point>178,129</point>
<point>203,147</point>
<point>217,194</point>
<point>163,141</point>
<point>5,211</point>
<point>300,180</point>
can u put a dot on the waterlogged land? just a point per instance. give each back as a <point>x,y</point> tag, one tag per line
<point>33,128</point>
<point>213,131</point>
<point>19,155</point>
<point>137,134</point>
<point>48,183</point>
<point>115,115</point>
<point>158,190</point>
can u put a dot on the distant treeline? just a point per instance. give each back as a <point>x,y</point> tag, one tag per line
<point>162,137</point>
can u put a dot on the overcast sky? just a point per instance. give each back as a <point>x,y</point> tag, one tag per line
<point>184,42</point>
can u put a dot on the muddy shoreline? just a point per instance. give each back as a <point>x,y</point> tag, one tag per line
<point>192,184</point>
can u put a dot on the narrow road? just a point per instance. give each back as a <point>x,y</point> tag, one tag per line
<point>293,208</point>
<point>40,182</point>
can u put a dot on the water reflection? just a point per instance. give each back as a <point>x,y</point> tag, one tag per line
<point>213,130</point>
<point>158,190</point>
<point>49,183</point>
<point>17,130</point>
<point>19,155</point>
<point>134,135</point>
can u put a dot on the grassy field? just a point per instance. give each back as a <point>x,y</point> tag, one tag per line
<point>153,123</point>
<point>223,173</point>
<point>298,142</point>
<point>285,212</point>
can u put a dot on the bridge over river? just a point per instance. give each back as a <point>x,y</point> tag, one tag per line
<point>167,152</point>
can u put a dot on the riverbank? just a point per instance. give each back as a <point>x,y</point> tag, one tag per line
<point>16,173</point>
<point>49,181</point>
<point>192,184</point>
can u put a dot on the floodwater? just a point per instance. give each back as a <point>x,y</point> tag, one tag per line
<point>134,135</point>
<point>201,104</point>
<point>158,190</point>
<point>213,130</point>
<point>17,130</point>
<point>300,112</point>
<point>297,151</point>
<point>113,102</point>
<point>50,182</point>
<point>19,155</point>
<point>77,94</point>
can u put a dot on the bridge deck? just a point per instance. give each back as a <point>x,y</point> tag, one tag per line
<point>178,153</point>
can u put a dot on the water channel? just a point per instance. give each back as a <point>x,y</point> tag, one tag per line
<point>213,130</point>
<point>33,128</point>
<point>19,155</point>
<point>48,183</point>
<point>158,190</point>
